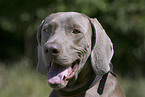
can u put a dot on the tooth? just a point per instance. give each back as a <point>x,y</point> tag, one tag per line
<point>49,66</point>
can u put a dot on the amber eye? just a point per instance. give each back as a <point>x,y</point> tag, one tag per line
<point>75,31</point>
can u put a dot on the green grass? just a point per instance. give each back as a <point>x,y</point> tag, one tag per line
<point>20,80</point>
<point>133,87</point>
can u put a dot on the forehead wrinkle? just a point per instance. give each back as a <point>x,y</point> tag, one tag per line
<point>73,19</point>
<point>80,22</point>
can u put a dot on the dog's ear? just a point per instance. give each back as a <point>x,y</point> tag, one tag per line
<point>39,32</point>
<point>41,67</point>
<point>102,48</point>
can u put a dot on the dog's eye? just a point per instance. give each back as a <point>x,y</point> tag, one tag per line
<point>75,31</point>
<point>46,30</point>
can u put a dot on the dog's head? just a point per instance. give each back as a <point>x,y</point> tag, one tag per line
<point>65,41</point>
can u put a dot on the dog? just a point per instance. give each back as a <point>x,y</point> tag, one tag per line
<point>75,53</point>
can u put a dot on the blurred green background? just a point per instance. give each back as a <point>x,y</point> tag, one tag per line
<point>123,20</point>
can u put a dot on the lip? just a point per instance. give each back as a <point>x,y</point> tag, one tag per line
<point>74,67</point>
<point>59,75</point>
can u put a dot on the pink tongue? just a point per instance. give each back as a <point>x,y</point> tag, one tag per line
<point>56,75</point>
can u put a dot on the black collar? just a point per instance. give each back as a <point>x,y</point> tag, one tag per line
<point>93,81</point>
<point>104,78</point>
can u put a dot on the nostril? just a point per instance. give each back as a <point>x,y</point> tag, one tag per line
<point>55,52</point>
<point>52,49</point>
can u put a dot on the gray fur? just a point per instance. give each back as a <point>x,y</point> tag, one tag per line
<point>68,38</point>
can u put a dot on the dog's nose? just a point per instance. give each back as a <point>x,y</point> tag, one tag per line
<point>53,49</point>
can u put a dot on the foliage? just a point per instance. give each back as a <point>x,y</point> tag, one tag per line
<point>123,20</point>
<point>22,81</point>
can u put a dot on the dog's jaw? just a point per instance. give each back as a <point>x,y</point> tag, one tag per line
<point>59,76</point>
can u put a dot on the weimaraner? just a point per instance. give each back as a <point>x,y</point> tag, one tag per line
<point>75,53</point>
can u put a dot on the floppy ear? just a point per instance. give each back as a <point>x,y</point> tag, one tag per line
<point>102,49</point>
<point>41,67</point>
<point>39,32</point>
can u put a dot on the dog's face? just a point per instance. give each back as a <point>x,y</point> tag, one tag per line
<point>65,42</point>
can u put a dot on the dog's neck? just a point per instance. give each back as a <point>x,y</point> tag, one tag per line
<point>85,76</point>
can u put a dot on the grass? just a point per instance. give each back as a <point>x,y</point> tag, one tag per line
<point>133,87</point>
<point>21,80</point>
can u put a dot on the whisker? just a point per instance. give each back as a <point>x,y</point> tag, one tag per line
<point>81,51</point>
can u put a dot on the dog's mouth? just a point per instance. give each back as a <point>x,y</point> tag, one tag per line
<point>59,75</point>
